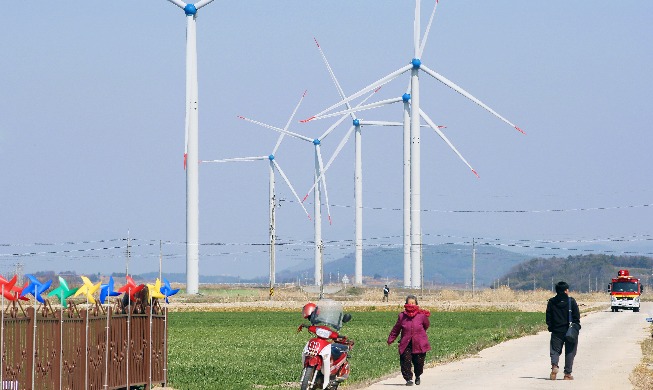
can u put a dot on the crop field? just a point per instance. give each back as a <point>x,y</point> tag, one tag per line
<point>261,349</point>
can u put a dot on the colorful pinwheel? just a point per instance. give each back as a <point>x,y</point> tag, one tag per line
<point>106,290</point>
<point>7,286</point>
<point>154,290</point>
<point>36,288</point>
<point>88,289</point>
<point>63,292</point>
<point>131,288</point>
<point>167,290</point>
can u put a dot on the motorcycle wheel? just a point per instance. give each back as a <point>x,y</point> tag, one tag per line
<point>307,375</point>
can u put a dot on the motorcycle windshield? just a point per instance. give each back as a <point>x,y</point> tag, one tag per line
<point>328,312</point>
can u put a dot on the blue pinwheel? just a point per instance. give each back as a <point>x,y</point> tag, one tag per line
<point>36,288</point>
<point>106,290</point>
<point>167,290</point>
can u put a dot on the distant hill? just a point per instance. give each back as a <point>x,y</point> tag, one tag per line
<point>583,273</point>
<point>443,264</point>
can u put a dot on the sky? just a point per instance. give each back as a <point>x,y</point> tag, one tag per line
<point>92,128</point>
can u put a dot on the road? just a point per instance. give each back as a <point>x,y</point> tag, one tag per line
<point>608,351</point>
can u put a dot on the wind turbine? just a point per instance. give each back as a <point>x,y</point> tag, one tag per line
<point>273,165</point>
<point>358,169</point>
<point>412,115</point>
<point>191,159</point>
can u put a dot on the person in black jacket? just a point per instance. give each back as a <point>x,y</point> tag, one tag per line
<point>557,320</point>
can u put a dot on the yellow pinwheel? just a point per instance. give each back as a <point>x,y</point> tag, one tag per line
<point>88,288</point>
<point>154,290</point>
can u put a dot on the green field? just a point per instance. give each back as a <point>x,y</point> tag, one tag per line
<point>247,350</point>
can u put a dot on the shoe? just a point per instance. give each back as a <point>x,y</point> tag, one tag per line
<point>568,377</point>
<point>554,372</point>
<point>409,383</point>
<point>417,381</point>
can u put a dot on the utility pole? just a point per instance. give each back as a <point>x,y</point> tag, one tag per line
<point>533,283</point>
<point>473,267</point>
<point>128,254</point>
<point>421,262</point>
<point>160,260</point>
<point>589,283</point>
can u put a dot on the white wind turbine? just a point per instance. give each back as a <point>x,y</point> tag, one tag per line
<point>191,158</point>
<point>320,186</point>
<point>358,169</point>
<point>273,165</point>
<point>412,115</point>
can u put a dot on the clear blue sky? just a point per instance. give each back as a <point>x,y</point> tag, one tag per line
<point>92,124</point>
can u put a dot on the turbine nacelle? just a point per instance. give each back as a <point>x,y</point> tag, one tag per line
<point>190,10</point>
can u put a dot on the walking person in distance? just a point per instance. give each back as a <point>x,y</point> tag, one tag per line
<point>562,310</point>
<point>414,343</point>
<point>386,293</point>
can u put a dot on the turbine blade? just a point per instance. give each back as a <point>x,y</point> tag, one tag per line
<point>466,94</point>
<point>445,139</point>
<point>285,178</point>
<point>341,145</point>
<point>202,3</point>
<point>333,77</point>
<point>367,89</point>
<point>428,29</point>
<point>380,123</point>
<point>417,30</point>
<point>333,126</point>
<point>236,159</point>
<point>360,108</point>
<point>178,3</point>
<point>288,123</point>
<point>326,193</point>
<point>330,129</point>
<point>282,131</point>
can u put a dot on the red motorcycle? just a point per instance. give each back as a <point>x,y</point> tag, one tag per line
<point>325,356</point>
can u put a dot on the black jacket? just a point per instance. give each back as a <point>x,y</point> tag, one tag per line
<point>557,313</point>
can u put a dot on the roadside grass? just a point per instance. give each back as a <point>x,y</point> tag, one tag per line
<point>642,375</point>
<point>260,349</point>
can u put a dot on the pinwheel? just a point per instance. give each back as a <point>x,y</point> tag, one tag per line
<point>167,290</point>
<point>7,287</point>
<point>36,288</point>
<point>63,292</point>
<point>131,288</point>
<point>88,289</point>
<point>106,290</point>
<point>154,290</point>
<point>17,290</point>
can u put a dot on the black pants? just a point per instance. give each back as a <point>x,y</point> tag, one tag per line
<point>417,360</point>
<point>555,350</point>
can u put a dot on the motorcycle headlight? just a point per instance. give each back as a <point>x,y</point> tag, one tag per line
<point>323,333</point>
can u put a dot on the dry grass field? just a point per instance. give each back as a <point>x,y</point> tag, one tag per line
<point>224,298</point>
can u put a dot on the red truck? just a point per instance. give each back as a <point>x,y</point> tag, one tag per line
<point>625,291</point>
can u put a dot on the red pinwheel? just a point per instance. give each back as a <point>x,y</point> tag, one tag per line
<point>131,288</point>
<point>7,286</point>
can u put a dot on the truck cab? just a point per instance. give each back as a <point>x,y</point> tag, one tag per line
<point>625,292</point>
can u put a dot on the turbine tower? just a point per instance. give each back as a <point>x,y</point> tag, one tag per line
<point>412,121</point>
<point>191,158</point>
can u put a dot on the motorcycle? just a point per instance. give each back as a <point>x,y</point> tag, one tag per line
<point>325,355</point>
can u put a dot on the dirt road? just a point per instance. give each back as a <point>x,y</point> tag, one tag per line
<point>608,350</point>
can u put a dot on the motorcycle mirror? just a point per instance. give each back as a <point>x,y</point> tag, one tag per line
<point>346,318</point>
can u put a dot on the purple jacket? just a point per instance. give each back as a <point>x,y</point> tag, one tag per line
<point>411,329</point>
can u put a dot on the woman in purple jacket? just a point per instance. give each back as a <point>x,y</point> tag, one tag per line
<point>414,343</point>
